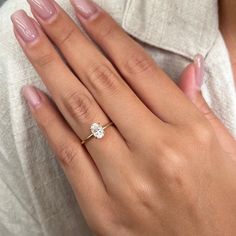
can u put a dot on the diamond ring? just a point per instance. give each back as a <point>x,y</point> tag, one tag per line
<point>97,131</point>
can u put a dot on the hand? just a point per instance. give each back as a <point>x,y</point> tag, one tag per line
<point>163,168</point>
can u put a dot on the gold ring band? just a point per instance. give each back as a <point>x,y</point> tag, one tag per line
<point>97,131</point>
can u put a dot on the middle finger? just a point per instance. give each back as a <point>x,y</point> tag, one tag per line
<point>95,71</point>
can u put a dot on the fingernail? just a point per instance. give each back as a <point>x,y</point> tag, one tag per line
<point>31,95</point>
<point>85,8</point>
<point>24,26</point>
<point>45,9</point>
<point>199,70</point>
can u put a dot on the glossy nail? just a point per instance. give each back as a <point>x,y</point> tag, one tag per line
<point>45,9</point>
<point>199,70</point>
<point>24,26</point>
<point>85,8</point>
<point>31,95</point>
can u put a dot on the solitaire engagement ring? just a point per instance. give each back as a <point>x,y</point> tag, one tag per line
<point>97,131</point>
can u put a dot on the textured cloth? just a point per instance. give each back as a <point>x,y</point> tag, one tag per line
<point>2,1</point>
<point>35,197</point>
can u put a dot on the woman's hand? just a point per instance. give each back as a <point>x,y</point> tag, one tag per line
<point>163,168</point>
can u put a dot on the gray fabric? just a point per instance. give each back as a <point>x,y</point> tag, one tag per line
<point>2,1</point>
<point>35,197</point>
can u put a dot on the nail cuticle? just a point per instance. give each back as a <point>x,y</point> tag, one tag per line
<point>32,96</point>
<point>43,9</point>
<point>85,8</point>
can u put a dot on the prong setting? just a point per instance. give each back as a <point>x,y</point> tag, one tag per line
<point>97,130</point>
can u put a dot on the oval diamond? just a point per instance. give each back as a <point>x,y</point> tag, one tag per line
<point>97,130</point>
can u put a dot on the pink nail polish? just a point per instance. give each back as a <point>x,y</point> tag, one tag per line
<point>24,26</point>
<point>45,9</point>
<point>31,95</point>
<point>199,70</point>
<point>85,8</point>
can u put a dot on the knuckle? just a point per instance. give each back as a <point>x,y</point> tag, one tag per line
<point>79,106</point>
<point>144,194</point>
<point>210,116</point>
<point>44,60</point>
<point>205,109</point>
<point>41,54</point>
<point>172,163</point>
<point>67,36</point>
<point>202,132</point>
<point>67,153</point>
<point>106,30</point>
<point>139,63</point>
<point>174,173</point>
<point>103,78</point>
<point>177,178</point>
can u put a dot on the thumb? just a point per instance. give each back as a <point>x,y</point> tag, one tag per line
<point>190,83</point>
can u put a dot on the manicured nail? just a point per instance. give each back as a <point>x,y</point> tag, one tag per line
<point>24,26</point>
<point>31,95</point>
<point>85,8</point>
<point>199,70</point>
<point>45,9</point>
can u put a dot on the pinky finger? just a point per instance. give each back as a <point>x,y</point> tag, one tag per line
<point>190,83</point>
<point>78,166</point>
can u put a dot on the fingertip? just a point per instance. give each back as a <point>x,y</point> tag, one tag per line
<point>86,10</point>
<point>24,28</point>
<point>17,14</point>
<point>32,96</point>
<point>199,65</point>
